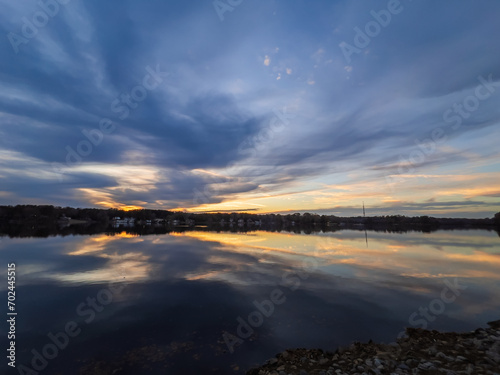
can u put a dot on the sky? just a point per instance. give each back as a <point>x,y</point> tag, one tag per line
<point>252,106</point>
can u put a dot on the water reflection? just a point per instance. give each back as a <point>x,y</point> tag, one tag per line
<point>180,292</point>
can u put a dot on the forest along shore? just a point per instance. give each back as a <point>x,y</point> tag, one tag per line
<point>420,352</point>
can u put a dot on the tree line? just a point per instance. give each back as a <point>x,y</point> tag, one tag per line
<point>44,216</point>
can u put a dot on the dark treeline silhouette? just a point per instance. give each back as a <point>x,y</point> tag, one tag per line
<point>45,220</point>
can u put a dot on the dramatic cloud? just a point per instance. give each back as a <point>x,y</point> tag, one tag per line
<point>280,106</point>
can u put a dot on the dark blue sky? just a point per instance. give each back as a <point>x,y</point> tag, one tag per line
<point>264,105</point>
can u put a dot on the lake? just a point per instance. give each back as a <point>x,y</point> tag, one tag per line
<point>201,302</point>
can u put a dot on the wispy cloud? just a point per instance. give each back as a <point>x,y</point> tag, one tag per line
<point>353,121</point>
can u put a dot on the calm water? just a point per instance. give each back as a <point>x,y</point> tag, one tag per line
<point>167,304</point>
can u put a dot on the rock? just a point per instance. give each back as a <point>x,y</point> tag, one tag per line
<point>426,366</point>
<point>493,355</point>
<point>411,362</point>
<point>421,352</point>
<point>495,324</point>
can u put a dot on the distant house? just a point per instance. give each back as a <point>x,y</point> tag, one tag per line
<point>126,222</point>
<point>63,221</point>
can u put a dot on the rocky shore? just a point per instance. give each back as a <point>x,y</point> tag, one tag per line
<point>420,352</point>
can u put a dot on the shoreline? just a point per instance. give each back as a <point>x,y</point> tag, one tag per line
<point>419,352</point>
